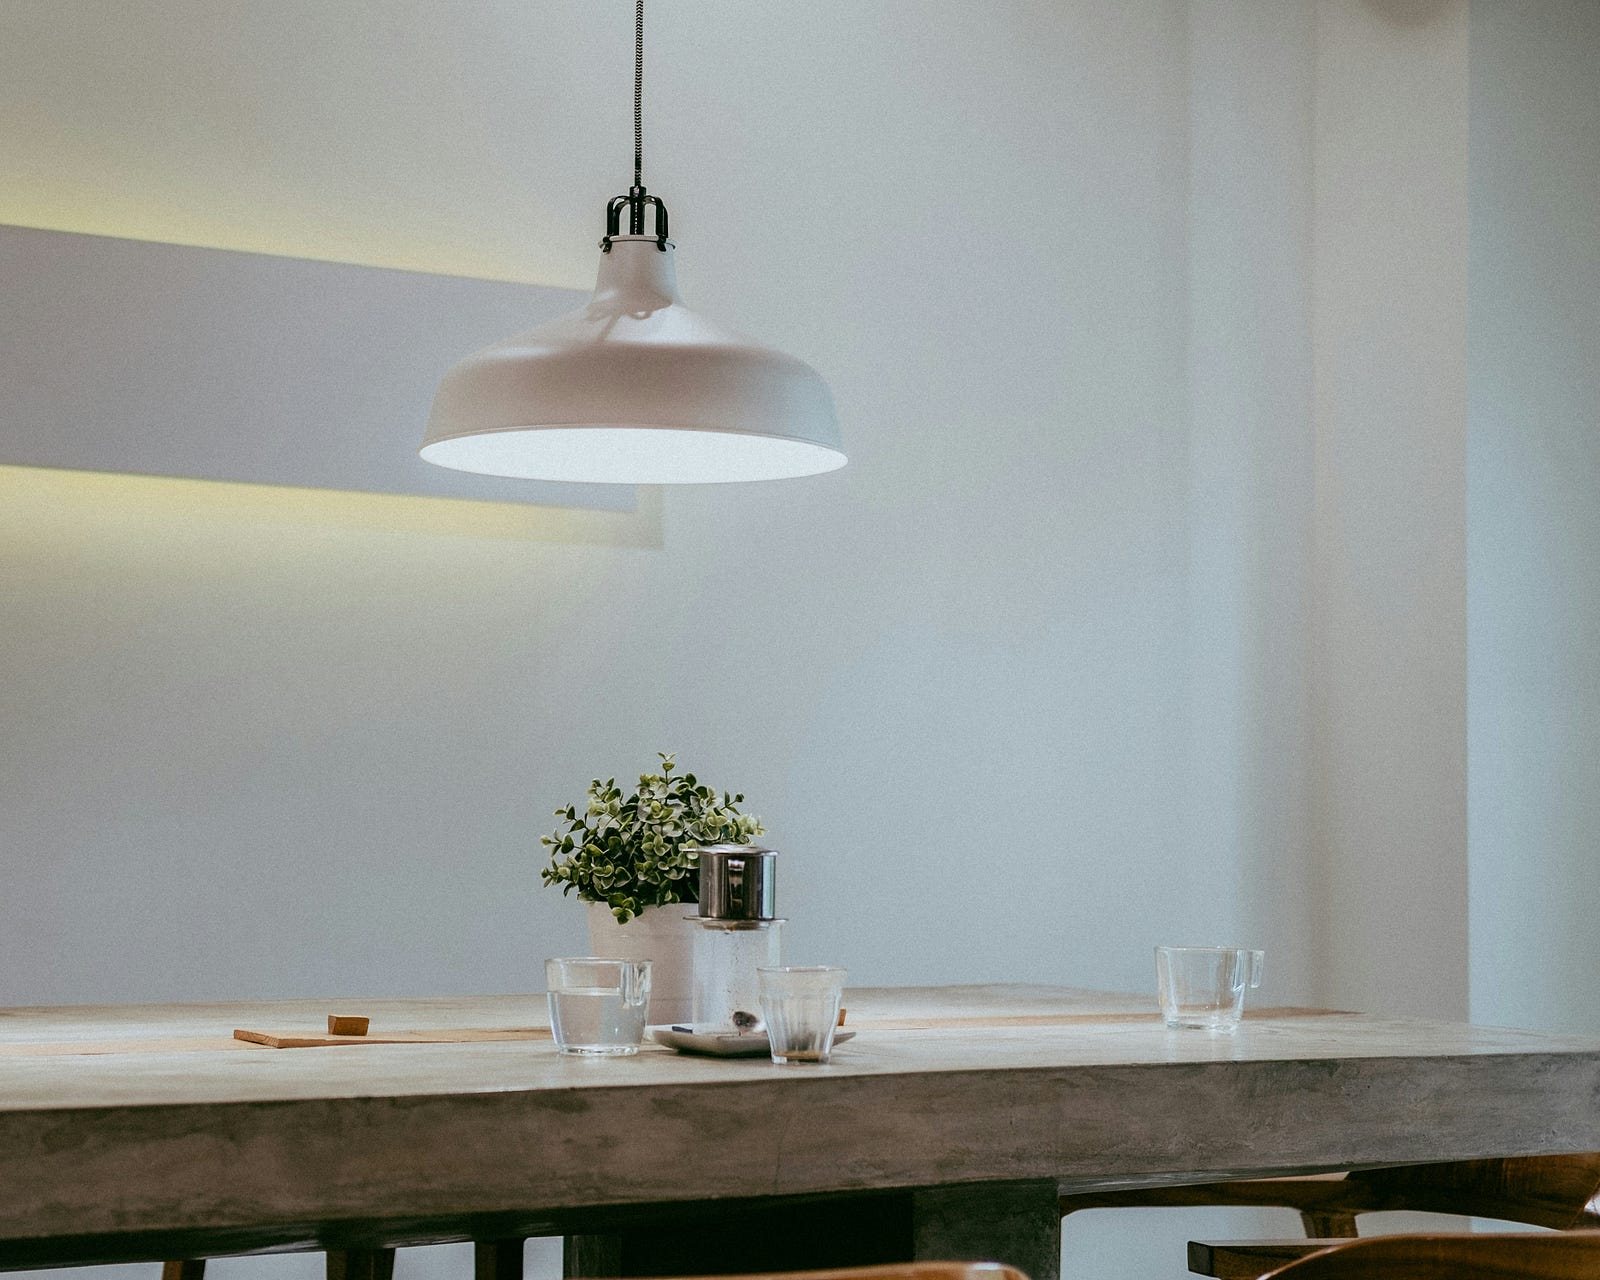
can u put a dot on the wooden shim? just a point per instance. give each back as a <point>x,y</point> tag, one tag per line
<point>464,1035</point>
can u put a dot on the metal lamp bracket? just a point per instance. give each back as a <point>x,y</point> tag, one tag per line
<point>635,202</point>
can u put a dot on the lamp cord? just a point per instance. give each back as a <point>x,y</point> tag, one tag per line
<point>638,93</point>
<point>637,199</point>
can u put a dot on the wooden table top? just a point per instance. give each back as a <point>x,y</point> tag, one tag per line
<point>191,1129</point>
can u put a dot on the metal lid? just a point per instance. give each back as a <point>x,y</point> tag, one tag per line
<point>738,882</point>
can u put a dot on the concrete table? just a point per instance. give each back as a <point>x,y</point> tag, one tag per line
<point>134,1133</point>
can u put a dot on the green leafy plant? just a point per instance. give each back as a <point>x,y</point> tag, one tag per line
<point>635,852</point>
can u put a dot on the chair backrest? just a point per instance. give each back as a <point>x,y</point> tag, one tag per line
<point>1543,1191</point>
<point>1567,1255</point>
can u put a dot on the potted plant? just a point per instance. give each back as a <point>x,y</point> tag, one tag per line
<point>632,859</point>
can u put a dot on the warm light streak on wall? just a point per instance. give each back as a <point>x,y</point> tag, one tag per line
<point>37,503</point>
<point>359,246</point>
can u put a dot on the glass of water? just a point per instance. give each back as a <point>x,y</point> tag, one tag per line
<point>1203,987</point>
<point>598,1006</point>
<point>801,1006</point>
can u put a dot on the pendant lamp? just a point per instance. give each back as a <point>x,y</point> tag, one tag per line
<point>634,388</point>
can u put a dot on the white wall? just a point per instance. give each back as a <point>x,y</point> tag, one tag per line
<point>1534,503</point>
<point>1083,476</point>
<point>955,671</point>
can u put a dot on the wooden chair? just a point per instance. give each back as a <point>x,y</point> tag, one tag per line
<point>1543,1191</point>
<point>1568,1255</point>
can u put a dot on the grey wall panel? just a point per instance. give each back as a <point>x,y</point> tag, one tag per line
<point>244,366</point>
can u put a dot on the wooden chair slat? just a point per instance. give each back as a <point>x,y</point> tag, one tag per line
<point>1560,1255</point>
<point>1544,1191</point>
<point>1248,1259</point>
<point>1324,1194</point>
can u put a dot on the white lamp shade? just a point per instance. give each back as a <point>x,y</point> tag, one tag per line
<point>634,389</point>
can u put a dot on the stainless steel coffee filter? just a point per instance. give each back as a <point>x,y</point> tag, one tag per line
<point>738,882</point>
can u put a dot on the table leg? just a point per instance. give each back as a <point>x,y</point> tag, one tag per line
<point>497,1259</point>
<point>591,1257</point>
<point>1017,1223</point>
<point>360,1264</point>
<point>1014,1222</point>
<point>729,1238</point>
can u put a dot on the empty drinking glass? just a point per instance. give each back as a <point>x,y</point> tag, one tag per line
<point>801,1006</point>
<point>1203,987</point>
<point>597,1006</point>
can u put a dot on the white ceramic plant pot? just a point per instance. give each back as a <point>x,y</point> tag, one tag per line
<point>663,935</point>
